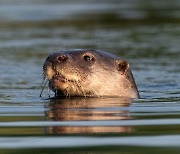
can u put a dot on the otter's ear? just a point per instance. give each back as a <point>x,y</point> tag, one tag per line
<point>122,66</point>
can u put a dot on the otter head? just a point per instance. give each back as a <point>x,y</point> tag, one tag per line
<point>91,73</point>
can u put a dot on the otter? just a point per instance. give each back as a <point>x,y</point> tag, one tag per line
<point>89,73</point>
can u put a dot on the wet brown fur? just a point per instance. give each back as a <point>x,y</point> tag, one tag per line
<point>89,73</point>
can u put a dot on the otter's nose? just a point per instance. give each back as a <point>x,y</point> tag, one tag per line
<point>62,58</point>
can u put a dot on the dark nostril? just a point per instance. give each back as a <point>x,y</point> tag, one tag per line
<point>62,58</point>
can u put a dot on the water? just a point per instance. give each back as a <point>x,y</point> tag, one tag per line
<point>146,33</point>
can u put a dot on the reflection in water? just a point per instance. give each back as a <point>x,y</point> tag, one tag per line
<point>88,109</point>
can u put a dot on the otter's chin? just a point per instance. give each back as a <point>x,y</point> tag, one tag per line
<point>63,86</point>
<point>58,78</point>
<point>57,83</point>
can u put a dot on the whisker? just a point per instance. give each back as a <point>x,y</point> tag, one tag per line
<point>95,92</point>
<point>81,88</point>
<point>56,93</point>
<point>49,92</point>
<point>43,85</point>
<point>67,94</point>
<point>78,88</point>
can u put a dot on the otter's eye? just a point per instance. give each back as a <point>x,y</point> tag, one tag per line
<point>87,58</point>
